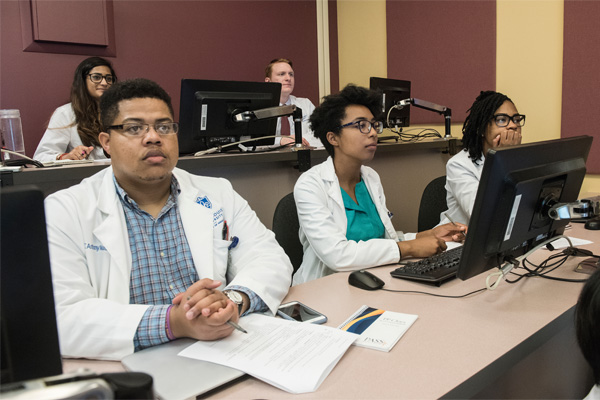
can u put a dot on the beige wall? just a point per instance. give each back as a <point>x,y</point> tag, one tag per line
<point>528,59</point>
<point>362,44</point>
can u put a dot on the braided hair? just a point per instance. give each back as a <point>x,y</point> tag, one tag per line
<point>480,114</point>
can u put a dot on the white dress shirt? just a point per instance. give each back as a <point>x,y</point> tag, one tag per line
<point>307,108</point>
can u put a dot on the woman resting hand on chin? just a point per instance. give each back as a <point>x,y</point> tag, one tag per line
<point>493,122</point>
<point>344,222</point>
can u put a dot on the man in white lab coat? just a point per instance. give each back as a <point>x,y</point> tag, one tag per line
<point>143,252</point>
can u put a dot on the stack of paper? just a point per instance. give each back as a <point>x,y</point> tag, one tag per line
<point>278,351</point>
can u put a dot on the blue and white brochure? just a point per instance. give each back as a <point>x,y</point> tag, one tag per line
<point>378,329</point>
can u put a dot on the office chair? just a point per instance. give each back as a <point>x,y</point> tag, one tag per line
<point>286,227</point>
<point>433,203</point>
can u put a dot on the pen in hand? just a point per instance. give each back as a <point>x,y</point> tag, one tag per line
<point>236,326</point>
<point>454,223</point>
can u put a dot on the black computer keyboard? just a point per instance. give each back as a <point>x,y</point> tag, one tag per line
<point>436,269</point>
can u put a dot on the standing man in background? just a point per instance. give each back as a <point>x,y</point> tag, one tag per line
<point>280,70</point>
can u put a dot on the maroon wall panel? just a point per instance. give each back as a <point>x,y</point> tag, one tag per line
<point>69,21</point>
<point>334,68</point>
<point>447,49</point>
<point>165,41</point>
<point>581,75</point>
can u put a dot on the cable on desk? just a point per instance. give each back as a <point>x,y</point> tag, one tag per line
<point>23,161</point>
<point>435,294</point>
<point>550,264</point>
<point>426,133</point>
<point>218,149</point>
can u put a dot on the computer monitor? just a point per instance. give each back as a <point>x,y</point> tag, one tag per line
<point>207,107</point>
<point>517,187</point>
<point>392,91</point>
<point>29,337</point>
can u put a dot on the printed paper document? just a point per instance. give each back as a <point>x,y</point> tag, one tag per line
<point>292,356</point>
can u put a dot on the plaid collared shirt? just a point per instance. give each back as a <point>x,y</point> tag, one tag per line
<point>162,265</point>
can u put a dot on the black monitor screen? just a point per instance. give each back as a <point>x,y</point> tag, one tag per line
<point>207,107</point>
<point>393,91</point>
<point>29,336</point>
<point>517,186</point>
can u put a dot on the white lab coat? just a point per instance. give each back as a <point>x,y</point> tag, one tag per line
<point>62,137</point>
<point>307,109</point>
<point>594,394</point>
<point>323,225</point>
<point>462,182</point>
<point>91,257</point>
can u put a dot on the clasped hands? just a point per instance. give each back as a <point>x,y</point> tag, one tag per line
<point>433,241</point>
<point>202,312</point>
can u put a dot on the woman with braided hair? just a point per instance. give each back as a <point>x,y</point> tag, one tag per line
<point>493,122</point>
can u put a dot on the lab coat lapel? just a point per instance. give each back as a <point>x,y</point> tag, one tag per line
<point>197,223</point>
<point>112,233</point>
<point>376,192</point>
<point>333,185</point>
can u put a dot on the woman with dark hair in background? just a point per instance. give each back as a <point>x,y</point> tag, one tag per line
<point>493,122</point>
<point>344,222</point>
<point>73,129</point>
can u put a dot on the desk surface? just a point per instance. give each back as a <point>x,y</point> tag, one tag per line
<point>456,348</point>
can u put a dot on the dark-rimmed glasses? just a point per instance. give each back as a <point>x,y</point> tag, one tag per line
<point>365,126</point>
<point>139,129</point>
<point>97,78</point>
<point>503,120</point>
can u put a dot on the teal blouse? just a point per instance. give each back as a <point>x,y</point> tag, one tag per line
<point>363,219</point>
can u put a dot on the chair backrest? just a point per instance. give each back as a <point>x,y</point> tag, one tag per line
<point>433,203</point>
<point>286,227</point>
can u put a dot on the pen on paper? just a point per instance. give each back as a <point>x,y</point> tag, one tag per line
<point>236,326</point>
<point>454,223</point>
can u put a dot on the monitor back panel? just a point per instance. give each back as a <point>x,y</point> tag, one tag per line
<point>30,347</point>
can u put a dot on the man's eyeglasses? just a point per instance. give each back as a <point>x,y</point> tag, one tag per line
<point>365,126</point>
<point>97,78</point>
<point>136,129</point>
<point>503,120</point>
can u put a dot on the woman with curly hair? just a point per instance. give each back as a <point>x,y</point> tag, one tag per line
<point>344,222</point>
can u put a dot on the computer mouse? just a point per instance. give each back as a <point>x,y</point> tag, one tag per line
<point>593,224</point>
<point>365,280</point>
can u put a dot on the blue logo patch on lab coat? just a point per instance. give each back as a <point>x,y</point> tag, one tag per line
<point>204,201</point>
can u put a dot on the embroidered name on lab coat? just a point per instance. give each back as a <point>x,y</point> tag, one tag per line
<point>94,247</point>
<point>218,217</point>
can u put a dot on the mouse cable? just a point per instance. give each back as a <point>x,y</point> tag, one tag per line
<point>435,294</point>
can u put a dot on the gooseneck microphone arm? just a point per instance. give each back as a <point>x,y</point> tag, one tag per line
<point>276,112</point>
<point>426,105</point>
